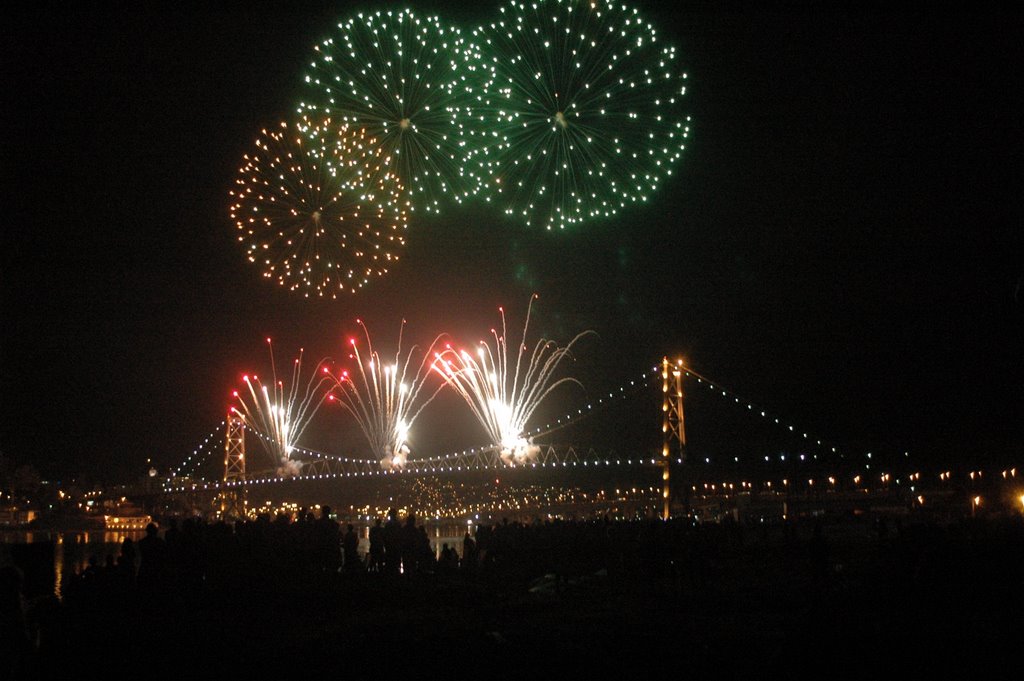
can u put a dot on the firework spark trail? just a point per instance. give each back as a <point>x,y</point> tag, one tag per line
<point>409,81</point>
<point>580,113</point>
<point>387,403</point>
<point>503,401</point>
<point>281,414</point>
<point>312,211</point>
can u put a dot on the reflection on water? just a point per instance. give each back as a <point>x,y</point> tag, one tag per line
<point>73,551</point>
<point>439,535</point>
<point>58,568</point>
<point>77,548</point>
<point>86,545</point>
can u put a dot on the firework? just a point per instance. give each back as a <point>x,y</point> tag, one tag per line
<point>278,413</point>
<point>312,212</point>
<point>583,116</point>
<point>504,391</point>
<point>407,80</point>
<point>384,397</point>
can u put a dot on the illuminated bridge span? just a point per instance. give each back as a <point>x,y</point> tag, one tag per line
<point>325,467</point>
<point>322,467</point>
<point>231,436</point>
<point>313,465</point>
<point>671,375</point>
<point>814,468</point>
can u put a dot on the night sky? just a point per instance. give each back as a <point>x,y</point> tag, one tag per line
<point>841,242</point>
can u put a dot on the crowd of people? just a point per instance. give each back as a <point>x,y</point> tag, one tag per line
<point>195,554</point>
<point>267,565</point>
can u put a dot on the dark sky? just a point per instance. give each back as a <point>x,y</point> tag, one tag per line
<point>842,241</point>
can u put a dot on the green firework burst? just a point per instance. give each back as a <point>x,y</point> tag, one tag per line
<point>406,80</point>
<point>582,113</point>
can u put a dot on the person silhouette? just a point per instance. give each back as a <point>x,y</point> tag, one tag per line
<point>350,544</point>
<point>392,544</point>
<point>376,562</point>
<point>152,558</point>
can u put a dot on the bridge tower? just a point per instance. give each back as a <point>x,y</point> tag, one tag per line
<point>234,448</point>
<point>673,426</point>
<point>231,503</point>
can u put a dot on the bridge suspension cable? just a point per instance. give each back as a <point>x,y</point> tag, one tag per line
<point>317,464</point>
<point>551,457</point>
<point>200,453</point>
<point>736,399</point>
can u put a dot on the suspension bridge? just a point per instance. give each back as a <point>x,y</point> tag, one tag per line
<point>816,467</point>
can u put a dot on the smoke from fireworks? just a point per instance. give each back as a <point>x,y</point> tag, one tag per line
<point>504,391</point>
<point>279,413</point>
<point>384,397</point>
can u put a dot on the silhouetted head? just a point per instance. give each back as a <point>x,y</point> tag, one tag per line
<point>11,580</point>
<point>151,530</point>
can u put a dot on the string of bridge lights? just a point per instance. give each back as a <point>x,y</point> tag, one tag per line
<point>569,419</point>
<point>329,457</point>
<point>602,402</point>
<point>200,449</point>
<point>860,482</point>
<point>441,463</point>
<point>734,398</point>
<point>412,470</point>
<point>561,422</point>
<point>420,465</point>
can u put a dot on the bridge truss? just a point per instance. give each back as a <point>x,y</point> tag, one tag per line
<point>324,467</point>
<point>320,466</point>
